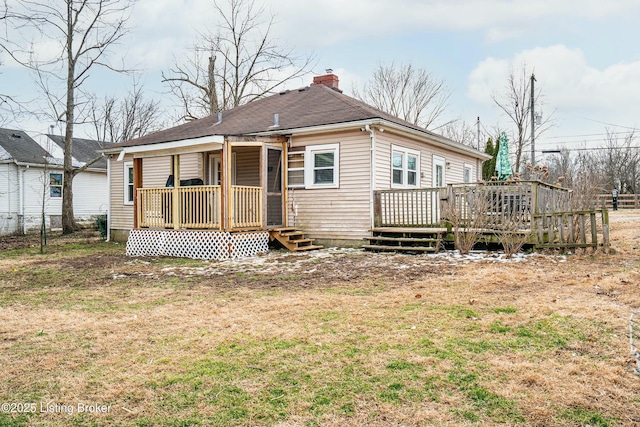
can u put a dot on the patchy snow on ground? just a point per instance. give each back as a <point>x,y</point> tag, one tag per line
<point>283,263</point>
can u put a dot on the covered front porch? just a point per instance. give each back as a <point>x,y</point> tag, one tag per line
<point>215,198</point>
<point>231,185</point>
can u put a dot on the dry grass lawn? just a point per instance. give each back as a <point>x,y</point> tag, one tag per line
<point>331,338</point>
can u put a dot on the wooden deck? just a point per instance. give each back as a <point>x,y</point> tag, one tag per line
<point>539,212</point>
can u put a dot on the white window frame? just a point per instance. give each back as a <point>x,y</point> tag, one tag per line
<point>439,161</point>
<point>467,167</point>
<point>309,165</point>
<point>405,152</point>
<point>52,186</point>
<point>127,166</point>
<point>290,169</point>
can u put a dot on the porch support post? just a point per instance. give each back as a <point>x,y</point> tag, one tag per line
<point>285,180</point>
<point>137,183</point>
<point>225,187</point>
<point>263,184</point>
<point>176,193</point>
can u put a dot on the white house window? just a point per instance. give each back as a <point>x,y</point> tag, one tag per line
<point>128,183</point>
<point>295,170</point>
<point>55,185</point>
<point>321,166</point>
<point>439,171</point>
<point>468,173</point>
<point>405,164</point>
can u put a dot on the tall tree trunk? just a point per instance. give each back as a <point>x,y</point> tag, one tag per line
<point>68,221</point>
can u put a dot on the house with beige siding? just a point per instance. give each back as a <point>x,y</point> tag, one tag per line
<point>304,163</point>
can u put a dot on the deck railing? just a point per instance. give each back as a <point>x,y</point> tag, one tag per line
<point>197,207</point>
<point>550,198</point>
<point>246,206</point>
<point>497,203</point>
<point>533,208</point>
<point>574,229</point>
<point>407,207</point>
<point>490,205</point>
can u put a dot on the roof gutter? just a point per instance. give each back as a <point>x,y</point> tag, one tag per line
<point>434,138</point>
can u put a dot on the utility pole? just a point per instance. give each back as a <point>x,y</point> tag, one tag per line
<point>478,133</point>
<point>533,123</point>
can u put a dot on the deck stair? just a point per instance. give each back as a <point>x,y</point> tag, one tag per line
<point>397,239</point>
<point>293,239</point>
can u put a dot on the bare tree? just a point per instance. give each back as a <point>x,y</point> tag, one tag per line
<point>122,120</point>
<point>238,64</point>
<point>516,104</point>
<point>410,93</point>
<point>78,35</point>
<point>461,132</point>
<point>619,161</point>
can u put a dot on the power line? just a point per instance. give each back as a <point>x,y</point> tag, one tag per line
<point>572,142</point>
<point>592,149</point>
<point>608,124</point>
<point>587,134</point>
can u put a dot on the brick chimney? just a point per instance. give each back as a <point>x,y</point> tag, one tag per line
<point>330,80</point>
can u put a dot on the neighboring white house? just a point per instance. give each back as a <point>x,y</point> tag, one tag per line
<point>31,176</point>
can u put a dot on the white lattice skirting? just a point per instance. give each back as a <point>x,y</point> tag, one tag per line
<point>218,245</point>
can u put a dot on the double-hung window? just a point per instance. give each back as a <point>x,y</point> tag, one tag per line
<point>128,183</point>
<point>405,167</point>
<point>321,166</point>
<point>55,185</point>
<point>315,167</point>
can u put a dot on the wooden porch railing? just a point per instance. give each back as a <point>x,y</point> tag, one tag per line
<point>246,207</point>
<point>198,207</point>
<point>407,207</point>
<point>155,207</point>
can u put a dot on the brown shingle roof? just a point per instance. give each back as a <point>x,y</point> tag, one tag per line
<point>316,105</point>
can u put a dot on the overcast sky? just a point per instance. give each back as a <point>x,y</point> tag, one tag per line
<point>584,53</point>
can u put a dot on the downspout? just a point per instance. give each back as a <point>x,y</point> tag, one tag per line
<point>372,177</point>
<point>9,189</point>
<point>108,225</point>
<point>23,201</point>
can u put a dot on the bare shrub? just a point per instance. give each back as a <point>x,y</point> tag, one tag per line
<point>466,210</point>
<point>512,235</point>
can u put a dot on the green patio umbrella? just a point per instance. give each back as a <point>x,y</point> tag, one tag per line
<point>503,164</point>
